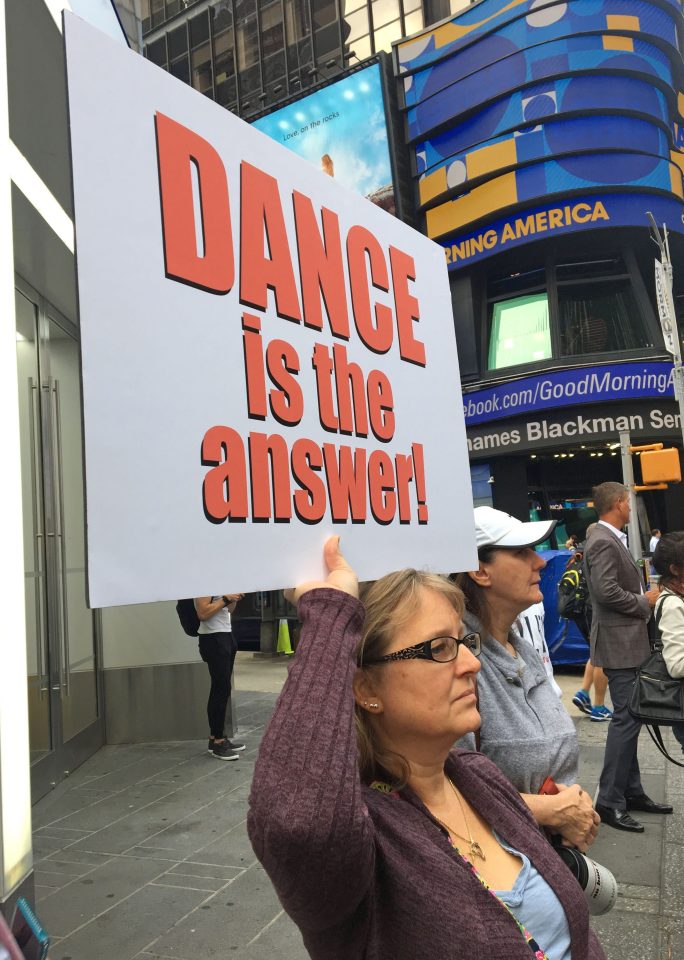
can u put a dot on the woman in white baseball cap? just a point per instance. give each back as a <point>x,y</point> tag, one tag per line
<point>525,729</point>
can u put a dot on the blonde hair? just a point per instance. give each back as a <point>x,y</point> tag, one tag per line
<point>390,603</point>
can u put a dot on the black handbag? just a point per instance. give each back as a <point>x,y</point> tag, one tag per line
<point>657,698</point>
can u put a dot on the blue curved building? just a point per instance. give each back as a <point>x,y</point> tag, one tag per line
<point>541,134</point>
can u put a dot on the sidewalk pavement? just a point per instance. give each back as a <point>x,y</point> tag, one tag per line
<point>142,854</point>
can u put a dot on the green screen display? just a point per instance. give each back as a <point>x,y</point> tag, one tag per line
<point>520,331</point>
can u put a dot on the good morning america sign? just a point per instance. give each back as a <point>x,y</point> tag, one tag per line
<point>566,214</point>
<point>566,388</point>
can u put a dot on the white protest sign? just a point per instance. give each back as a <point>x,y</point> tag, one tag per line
<point>267,358</point>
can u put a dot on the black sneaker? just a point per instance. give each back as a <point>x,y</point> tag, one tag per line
<point>235,745</point>
<point>223,751</point>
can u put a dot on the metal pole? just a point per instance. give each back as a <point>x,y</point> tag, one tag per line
<point>668,318</point>
<point>628,480</point>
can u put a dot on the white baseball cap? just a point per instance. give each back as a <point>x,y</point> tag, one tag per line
<point>494,528</point>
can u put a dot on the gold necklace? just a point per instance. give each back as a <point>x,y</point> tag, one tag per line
<point>475,848</point>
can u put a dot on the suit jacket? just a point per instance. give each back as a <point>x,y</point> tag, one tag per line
<point>619,634</point>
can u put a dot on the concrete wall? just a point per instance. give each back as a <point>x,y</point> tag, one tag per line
<point>155,682</point>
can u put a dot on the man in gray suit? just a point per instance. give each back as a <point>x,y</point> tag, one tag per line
<point>619,643</point>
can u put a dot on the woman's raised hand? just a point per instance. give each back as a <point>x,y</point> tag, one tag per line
<point>340,574</point>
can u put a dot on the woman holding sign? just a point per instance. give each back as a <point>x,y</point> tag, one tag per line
<point>381,841</point>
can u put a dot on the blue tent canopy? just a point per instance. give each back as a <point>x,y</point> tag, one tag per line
<point>563,638</point>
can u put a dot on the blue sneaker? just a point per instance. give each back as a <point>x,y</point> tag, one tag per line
<point>600,714</point>
<point>582,701</point>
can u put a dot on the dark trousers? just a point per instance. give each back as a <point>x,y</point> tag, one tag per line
<point>678,730</point>
<point>620,777</point>
<point>218,652</point>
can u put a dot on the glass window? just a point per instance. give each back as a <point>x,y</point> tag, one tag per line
<point>181,69</point>
<point>327,41</point>
<point>223,19</point>
<point>349,6</point>
<point>244,9</point>
<point>178,42</point>
<point>582,269</point>
<point>296,20</point>
<point>516,282</point>
<point>520,331</point>
<point>199,29</point>
<point>172,8</point>
<point>226,91</point>
<point>600,318</point>
<point>358,24</point>
<point>274,69</point>
<point>414,22</point>
<point>247,46</point>
<point>201,69</point>
<point>481,482</point>
<point>384,11</point>
<point>305,50</point>
<point>362,49</point>
<point>272,33</point>
<point>157,12</point>
<point>156,52</point>
<point>411,5</point>
<point>383,39</point>
<point>250,82</point>
<point>457,5</point>
<point>324,12</point>
<point>224,56</point>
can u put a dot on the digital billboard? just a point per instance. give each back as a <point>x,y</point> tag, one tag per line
<point>547,117</point>
<point>342,129</point>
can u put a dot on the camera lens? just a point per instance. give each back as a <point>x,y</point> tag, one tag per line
<point>597,882</point>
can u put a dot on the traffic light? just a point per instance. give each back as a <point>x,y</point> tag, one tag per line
<point>661,466</point>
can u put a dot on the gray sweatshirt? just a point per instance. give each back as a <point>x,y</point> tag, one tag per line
<point>525,730</point>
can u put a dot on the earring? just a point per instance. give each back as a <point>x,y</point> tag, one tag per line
<point>365,703</point>
<point>373,706</point>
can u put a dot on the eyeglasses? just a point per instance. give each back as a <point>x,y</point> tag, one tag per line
<point>440,649</point>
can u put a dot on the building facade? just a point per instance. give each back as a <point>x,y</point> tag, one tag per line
<point>250,55</point>
<point>541,135</point>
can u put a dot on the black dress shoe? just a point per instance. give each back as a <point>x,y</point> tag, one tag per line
<point>619,819</point>
<point>646,805</point>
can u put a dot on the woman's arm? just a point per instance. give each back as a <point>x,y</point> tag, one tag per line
<point>307,821</point>
<point>671,625</point>
<point>206,607</point>
<point>569,813</point>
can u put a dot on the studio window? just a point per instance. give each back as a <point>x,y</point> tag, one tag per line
<point>520,331</point>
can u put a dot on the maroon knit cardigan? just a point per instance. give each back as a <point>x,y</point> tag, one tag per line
<point>368,875</point>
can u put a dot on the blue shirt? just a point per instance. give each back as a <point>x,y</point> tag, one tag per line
<point>536,906</point>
